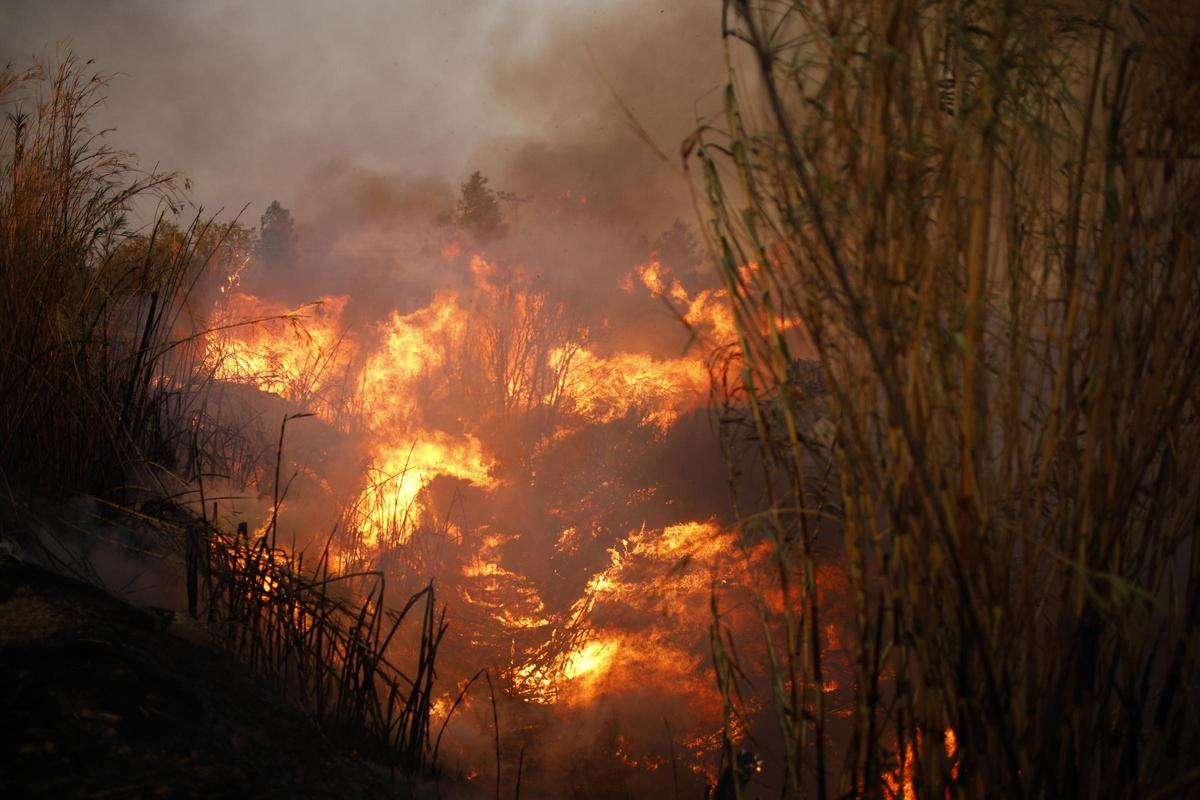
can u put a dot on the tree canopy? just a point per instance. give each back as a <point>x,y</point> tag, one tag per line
<point>678,247</point>
<point>478,210</point>
<point>276,235</point>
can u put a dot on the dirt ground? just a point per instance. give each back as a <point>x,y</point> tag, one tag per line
<point>100,699</point>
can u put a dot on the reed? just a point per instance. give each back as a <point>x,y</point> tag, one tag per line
<point>101,368</point>
<point>106,386</point>
<point>323,641</point>
<point>960,244</point>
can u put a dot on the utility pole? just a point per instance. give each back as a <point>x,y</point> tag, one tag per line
<point>515,201</point>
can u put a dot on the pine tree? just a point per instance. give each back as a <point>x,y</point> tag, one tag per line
<point>678,248</point>
<point>478,211</point>
<point>276,235</point>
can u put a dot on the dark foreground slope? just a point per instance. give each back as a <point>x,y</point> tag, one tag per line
<point>102,700</point>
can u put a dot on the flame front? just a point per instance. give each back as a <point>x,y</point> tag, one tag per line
<point>493,390</point>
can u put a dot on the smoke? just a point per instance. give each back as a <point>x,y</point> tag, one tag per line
<point>364,119</point>
<point>254,101</point>
<point>579,82</point>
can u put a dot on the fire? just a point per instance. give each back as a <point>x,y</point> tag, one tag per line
<point>901,785</point>
<point>707,311</point>
<point>608,388</point>
<point>407,454</point>
<point>390,503</point>
<point>472,390</point>
<point>414,351</point>
<point>593,659</point>
<point>664,571</point>
<point>295,353</point>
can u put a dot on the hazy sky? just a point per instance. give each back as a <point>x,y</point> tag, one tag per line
<point>252,99</point>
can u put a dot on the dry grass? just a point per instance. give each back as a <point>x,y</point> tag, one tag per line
<point>323,641</point>
<point>100,375</point>
<point>979,220</point>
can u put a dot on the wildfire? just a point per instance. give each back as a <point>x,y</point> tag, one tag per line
<point>295,353</point>
<point>472,388</point>
<point>901,785</point>
<point>706,312</point>
<point>609,388</point>
<point>390,503</point>
<point>307,356</point>
<point>593,659</point>
<point>662,574</point>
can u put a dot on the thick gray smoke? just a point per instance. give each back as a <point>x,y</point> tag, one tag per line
<point>363,119</point>
<point>260,101</point>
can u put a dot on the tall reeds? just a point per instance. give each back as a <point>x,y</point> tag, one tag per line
<point>978,222</point>
<point>97,354</point>
<point>323,639</point>
<point>104,389</point>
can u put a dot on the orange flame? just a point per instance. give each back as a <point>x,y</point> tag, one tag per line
<point>902,783</point>
<point>428,391</point>
<point>296,353</point>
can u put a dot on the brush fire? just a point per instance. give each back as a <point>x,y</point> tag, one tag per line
<point>521,462</point>
<point>701,400</point>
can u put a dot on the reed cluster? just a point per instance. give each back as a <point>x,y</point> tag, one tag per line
<point>106,388</point>
<point>100,363</point>
<point>322,640</point>
<point>976,223</point>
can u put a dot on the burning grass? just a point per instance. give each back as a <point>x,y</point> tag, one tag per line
<point>107,381</point>
<point>323,641</point>
<point>953,359</point>
<point>494,398</point>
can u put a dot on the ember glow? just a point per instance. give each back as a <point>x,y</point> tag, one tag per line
<point>902,784</point>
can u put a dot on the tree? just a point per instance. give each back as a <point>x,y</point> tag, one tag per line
<point>478,211</point>
<point>678,248</point>
<point>276,236</point>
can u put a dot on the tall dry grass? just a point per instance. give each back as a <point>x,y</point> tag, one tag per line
<point>99,353</point>
<point>978,221</point>
<point>323,639</point>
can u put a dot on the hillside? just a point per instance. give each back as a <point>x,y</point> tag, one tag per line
<point>105,700</point>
